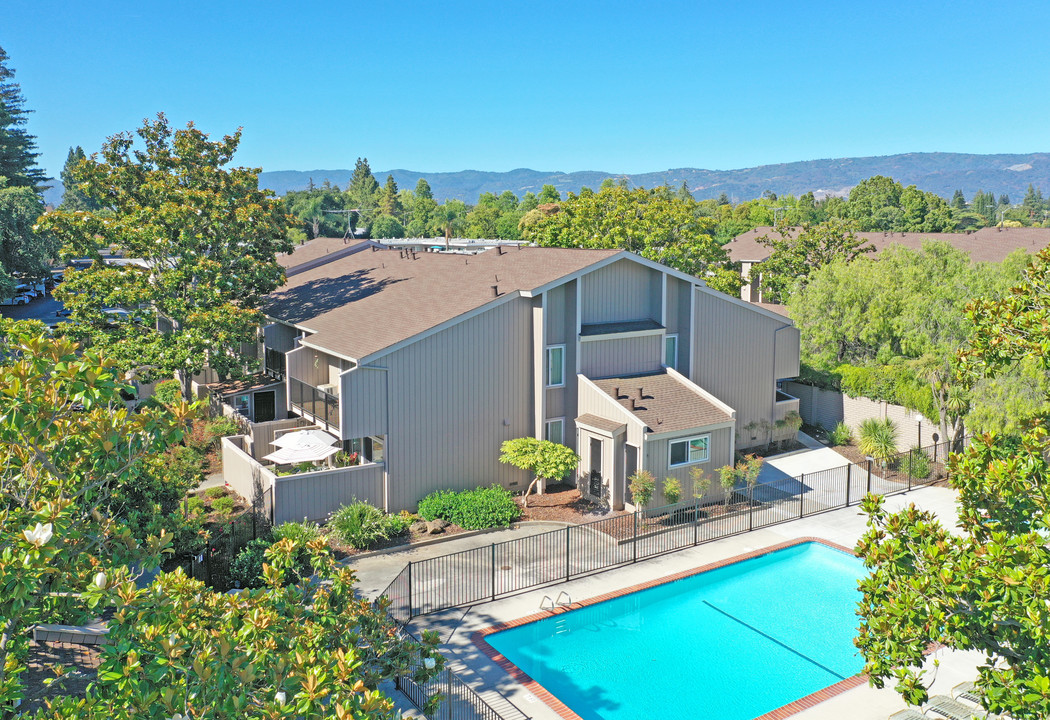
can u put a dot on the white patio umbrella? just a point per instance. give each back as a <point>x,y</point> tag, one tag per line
<point>302,446</point>
<point>304,438</point>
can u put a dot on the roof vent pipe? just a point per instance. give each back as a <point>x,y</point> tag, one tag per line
<point>616,392</point>
<point>632,403</point>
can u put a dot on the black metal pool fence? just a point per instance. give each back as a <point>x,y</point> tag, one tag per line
<point>503,568</point>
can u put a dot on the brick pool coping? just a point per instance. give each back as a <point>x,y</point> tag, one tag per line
<point>563,711</point>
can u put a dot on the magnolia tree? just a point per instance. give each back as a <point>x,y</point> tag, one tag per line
<point>985,585</point>
<point>310,649</point>
<point>206,237</point>
<point>545,459</point>
<point>67,445</point>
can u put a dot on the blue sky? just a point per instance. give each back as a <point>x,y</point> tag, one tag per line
<point>611,86</point>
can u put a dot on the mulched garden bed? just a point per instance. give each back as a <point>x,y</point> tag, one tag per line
<point>415,533</point>
<point>938,472</point>
<point>564,503</point>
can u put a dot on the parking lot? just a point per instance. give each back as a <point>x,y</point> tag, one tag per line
<point>41,308</point>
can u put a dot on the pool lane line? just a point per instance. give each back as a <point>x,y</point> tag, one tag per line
<point>773,639</point>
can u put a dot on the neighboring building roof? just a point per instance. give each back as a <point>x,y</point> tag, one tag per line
<point>313,250</point>
<point>599,423</point>
<point>990,244</point>
<point>663,403</point>
<point>258,381</point>
<point>775,307</point>
<point>365,302</point>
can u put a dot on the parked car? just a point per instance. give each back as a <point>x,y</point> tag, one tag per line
<point>16,299</point>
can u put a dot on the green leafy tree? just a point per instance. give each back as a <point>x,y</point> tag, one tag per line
<point>797,253</point>
<point>545,459</point>
<point>309,649</point>
<point>69,452</point>
<point>312,208</point>
<point>386,226</point>
<point>662,229</point>
<point>984,585</point>
<point>17,147</point>
<point>25,250</point>
<point>642,485</point>
<point>207,238</point>
<point>548,194</point>
<point>73,198</point>
<point>423,215</point>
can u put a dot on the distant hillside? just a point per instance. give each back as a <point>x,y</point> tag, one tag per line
<point>941,173</point>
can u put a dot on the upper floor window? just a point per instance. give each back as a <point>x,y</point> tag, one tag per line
<point>556,366</point>
<point>690,450</point>
<point>671,351</point>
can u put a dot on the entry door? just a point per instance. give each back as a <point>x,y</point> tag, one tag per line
<point>265,406</point>
<point>595,488</point>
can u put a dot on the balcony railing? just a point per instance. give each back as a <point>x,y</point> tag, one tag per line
<point>324,407</point>
<point>274,363</point>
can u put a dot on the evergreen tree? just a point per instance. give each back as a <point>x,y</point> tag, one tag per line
<point>1004,201</point>
<point>723,199</point>
<point>1033,201</point>
<point>363,191</point>
<point>73,198</point>
<point>959,200</point>
<point>389,202</point>
<point>17,156</point>
<point>423,189</point>
<point>549,194</point>
<point>683,193</point>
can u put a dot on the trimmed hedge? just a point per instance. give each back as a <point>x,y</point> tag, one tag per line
<point>475,509</point>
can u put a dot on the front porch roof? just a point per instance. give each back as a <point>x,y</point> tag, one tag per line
<point>240,386</point>
<point>663,402</point>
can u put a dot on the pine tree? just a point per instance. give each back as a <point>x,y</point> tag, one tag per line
<point>1004,201</point>
<point>363,191</point>
<point>389,202</point>
<point>959,200</point>
<point>723,199</point>
<point>73,198</point>
<point>683,193</point>
<point>423,190</point>
<point>17,156</point>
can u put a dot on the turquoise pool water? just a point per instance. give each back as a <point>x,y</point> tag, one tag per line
<point>732,643</point>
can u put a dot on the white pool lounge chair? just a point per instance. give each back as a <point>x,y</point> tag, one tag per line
<point>955,710</point>
<point>909,714</point>
<point>966,691</point>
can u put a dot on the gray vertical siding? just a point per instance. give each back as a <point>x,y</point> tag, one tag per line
<point>656,456</point>
<point>280,337</point>
<point>624,290</point>
<point>735,357</point>
<point>559,320</point>
<point>787,353</point>
<point>455,396</point>
<point>595,401</point>
<point>364,402</point>
<point>262,434</point>
<point>309,365</point>
<point>313,496</point>
<point>632,355</point>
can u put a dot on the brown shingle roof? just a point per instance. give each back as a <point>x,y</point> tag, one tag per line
<point>991,244</point>
<point>363,303</point>
<point>600,423</point>
<point>257,381</point>
<point>663,403</point>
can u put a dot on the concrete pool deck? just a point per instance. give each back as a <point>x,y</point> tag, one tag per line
<point>513,700</point>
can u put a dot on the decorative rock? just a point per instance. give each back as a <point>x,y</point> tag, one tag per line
<point>436,527</point>
<point>420,527</point>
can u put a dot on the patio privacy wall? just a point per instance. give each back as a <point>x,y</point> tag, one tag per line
<point>304,496</point>
<point>828,408</point>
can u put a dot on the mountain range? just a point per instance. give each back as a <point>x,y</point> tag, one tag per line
<point>941,173</point>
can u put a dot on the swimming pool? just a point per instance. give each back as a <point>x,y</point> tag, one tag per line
<point>731,643</point>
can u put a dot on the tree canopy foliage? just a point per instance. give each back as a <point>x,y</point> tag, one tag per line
<point>17,147</point>
<point>206,237</point>
<point>902,316</point>
<point>988,587</point>
<point>652,223</point>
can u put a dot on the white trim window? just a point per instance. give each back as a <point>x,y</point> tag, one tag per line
<point>689,451</point>
<point>555,430</point>
<point>555,366</point>
<point>671,351</point>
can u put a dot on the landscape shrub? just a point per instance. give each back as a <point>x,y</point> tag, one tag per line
<point>841,435</point>
<point>222,427</point>
<point>194,505</point>
<point>246,570</point>
<point>916,463</point>
<point>186,464</point>
<point>300,532</point>
<point>215,492</point>
<point>672,490</point>
<point>167,392</point>
<point>224,505</point>
<point>877,439</point>
<point>642,485</point>
<point>475,509</point>
<point>361,525</point>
